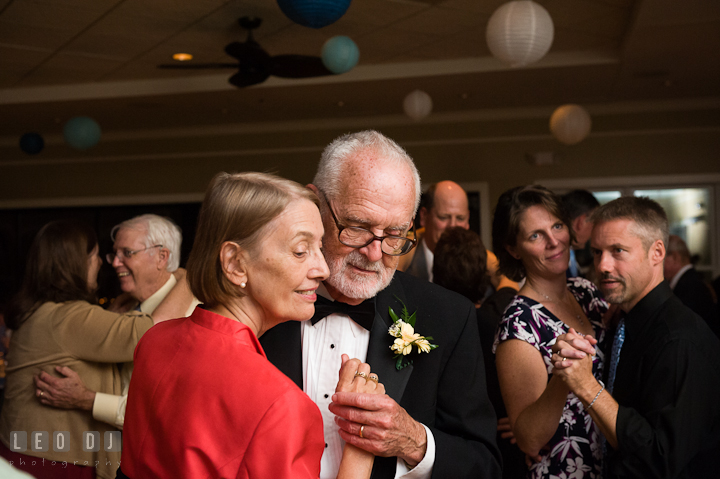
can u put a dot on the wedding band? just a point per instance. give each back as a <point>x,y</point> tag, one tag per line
<point>361,374</point>
<point>361,430</point>
<point>41,393</point>
<point>373,377</point>
<point>562,359</point>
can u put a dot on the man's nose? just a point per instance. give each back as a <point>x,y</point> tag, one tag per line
<point>602,262</point>
<point>373,251</point>
<point>116,263</point>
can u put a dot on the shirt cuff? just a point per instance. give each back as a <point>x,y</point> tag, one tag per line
<point>106,408</point>
<point>423,470</point>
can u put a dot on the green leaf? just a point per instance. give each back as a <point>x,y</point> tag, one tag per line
<point>393,316</point>
<point>411,320</point>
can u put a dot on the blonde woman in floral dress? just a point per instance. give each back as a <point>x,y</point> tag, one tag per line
<point>550,424</point>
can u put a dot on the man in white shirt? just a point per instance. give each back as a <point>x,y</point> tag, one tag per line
<point>146,253</point>
<point>436,419</point>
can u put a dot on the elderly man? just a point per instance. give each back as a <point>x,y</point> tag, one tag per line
<point>659,412</point>
<point>688,284</point>
<point>436,419</point>
<point>146,253</point>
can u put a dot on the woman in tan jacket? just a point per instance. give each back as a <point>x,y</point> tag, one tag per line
<point>57,323</point>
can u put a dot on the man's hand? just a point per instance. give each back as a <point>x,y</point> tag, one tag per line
<point>389,430</point>
<point>66,392</point>
<point>572,345</point>
<point>505,430</point>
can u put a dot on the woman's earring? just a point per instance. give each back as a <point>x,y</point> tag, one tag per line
<point>242,285</point>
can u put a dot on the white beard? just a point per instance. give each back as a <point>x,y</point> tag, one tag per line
<point>353,285</point>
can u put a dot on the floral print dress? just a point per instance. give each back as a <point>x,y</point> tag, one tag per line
<point>575,450</point>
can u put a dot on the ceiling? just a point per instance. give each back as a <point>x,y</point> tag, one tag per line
<point>60,59</point>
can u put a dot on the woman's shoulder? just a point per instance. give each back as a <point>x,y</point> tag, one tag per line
<point>587,294</point>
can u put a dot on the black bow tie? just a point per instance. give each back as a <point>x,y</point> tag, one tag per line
<point>363,313</point>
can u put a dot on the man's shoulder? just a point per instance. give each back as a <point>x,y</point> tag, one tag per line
<point>423,292</point>
<point>679,322</point>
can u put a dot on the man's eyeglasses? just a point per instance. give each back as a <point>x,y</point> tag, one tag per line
<point>357,237</point>
<point>123,254</point>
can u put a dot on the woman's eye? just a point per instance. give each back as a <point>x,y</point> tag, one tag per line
<point>534,236</point>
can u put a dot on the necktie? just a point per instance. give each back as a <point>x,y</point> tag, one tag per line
<point>363,313</point>
<point>573,265</point>
<point>615,354</point>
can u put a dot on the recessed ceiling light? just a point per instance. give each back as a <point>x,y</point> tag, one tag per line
<point>182,57</point>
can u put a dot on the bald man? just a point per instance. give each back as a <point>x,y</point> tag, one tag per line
<point>445,205</point>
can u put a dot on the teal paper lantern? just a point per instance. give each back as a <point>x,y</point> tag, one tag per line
<point>82,132</point>
<point>340,54</point>
<point>32,143</point>
<point>314,13</point>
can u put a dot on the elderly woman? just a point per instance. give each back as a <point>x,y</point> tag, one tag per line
<point>204,400</point>
<point>56,323</point>
<point>532,240</point>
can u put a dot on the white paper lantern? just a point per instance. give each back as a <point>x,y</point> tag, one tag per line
<point>570,124</point>
<point>519,33</point>
<point>417,105</point>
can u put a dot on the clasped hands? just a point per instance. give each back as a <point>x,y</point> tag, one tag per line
<point>572,358</point>
<point>387,429</point>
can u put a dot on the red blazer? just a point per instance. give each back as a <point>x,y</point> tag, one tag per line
<point>205,402</point>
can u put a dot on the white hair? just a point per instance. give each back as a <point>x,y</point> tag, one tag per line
<point>336,155</point>
<point>158,230</point>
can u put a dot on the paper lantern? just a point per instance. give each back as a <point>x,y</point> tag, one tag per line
<point>314,13</point>
<point>519,33</point>
<point>417,105</point>
<point>32,143</point>
<point>82,132</point>
<point>570,124</point>
<point>340,54</point>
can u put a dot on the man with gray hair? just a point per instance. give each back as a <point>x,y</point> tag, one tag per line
<point>688,284</point>
<point>146,253</point>
<point>659,411</point>
<point>436,419</point>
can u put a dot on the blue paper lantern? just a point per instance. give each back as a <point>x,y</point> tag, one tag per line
<point>32,143</point>
<point>340,54</point>
<point>82,132</point>
<point>314,13</point>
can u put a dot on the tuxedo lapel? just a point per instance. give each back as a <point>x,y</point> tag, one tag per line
<point>283,348</point>
<point>379,355</point>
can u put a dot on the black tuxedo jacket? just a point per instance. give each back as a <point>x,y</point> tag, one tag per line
<point>692,290</point>
<point>443,389</point>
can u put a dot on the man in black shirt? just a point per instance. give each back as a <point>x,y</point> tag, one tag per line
<point>662,419</point>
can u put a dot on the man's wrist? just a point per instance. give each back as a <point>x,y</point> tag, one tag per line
<point>86,403</point>
<point>418,452</point>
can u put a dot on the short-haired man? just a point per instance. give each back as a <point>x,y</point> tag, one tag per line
<point>660,411</point>
<point>436,418</point>
<point>445,205</point>
<point>578,205</point>
<point>688,284</point>
<point>146,253</point>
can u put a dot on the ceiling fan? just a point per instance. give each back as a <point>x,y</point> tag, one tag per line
<point>255,65</point>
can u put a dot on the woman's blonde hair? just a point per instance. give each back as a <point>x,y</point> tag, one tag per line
<point>237,207</point>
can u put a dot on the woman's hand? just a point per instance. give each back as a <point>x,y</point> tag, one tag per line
<point>355,377</point>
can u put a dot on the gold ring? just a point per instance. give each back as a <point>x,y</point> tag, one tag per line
<point>373,377</point>
<point>362,375</point>
<point>562,359</point>
<point>41,393</point>
<point>361,430</point>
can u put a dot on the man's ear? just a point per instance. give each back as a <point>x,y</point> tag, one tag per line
<point>233,259</point>
<point>657,252</point>
<point>163,258</point>
<point>313,188</point>
<point>423,214</point>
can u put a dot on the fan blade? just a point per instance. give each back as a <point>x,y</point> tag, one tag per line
<point>243,79</point>
<point>297,66</point>
<point>196,66</point>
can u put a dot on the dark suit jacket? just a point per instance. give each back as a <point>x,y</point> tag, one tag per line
<point>443,389</point>
<point>418,265</point>
<point>692,290</point>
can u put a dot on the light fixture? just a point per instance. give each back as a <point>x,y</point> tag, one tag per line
<point>182,57</point>
<point>519,33</point>
<point>570,124</point>
<point>417,105</point>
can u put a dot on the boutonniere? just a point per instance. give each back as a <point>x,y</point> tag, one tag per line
<point>403,329</point>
